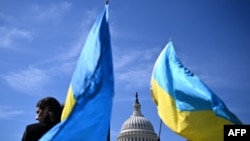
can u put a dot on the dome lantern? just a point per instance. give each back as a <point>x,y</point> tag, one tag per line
<point>137,106</point>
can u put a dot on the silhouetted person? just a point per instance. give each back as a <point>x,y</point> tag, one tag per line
<point>48,113</point>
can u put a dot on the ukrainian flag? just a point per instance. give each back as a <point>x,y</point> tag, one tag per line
<point>87,111</point>
<point>185,104</point>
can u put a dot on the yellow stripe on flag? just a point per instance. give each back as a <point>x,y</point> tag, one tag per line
<point>70,102</point>
<point>191,124</point>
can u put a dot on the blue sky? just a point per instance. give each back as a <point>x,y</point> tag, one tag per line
<point>40,42</point>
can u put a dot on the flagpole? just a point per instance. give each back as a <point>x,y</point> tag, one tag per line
<point>108,136</point>
<point>159,135</point>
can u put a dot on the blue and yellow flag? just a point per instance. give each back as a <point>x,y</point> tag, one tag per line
<point>87,110</point>
<point>185,104</point>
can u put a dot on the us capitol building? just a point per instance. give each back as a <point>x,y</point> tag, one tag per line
<point>137,127</point>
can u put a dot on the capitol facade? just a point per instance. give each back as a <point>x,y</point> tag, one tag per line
<point>137,127</point>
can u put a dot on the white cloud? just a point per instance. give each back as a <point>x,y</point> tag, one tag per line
<point>33,79</point>
<point>9,36</point>
<point>91,16</point>
<point>134,67</point>
<point>29,80</point>
<point>72,50</point>
<point>52,12</point>
<point>7,112</point>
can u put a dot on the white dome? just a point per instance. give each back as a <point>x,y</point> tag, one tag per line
<point>137,127</point>
<point>137,123</point>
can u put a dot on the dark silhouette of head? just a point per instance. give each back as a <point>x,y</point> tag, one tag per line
<point>48,110</point>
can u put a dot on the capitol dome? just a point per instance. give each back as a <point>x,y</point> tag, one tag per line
<point>137,127</point>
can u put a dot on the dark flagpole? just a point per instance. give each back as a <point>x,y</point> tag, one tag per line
<point>108,136</point>
<point>159,134</point>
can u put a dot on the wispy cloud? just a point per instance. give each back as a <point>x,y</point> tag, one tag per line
<point>29,80</point>
<point>35,78</point>
<point>91,15</point>
<point>72,50</point>
<point>10,36</point>
<point>38,75</point>
<point>134,67</point>
<point>53,12</point>
<point>7,112</point>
